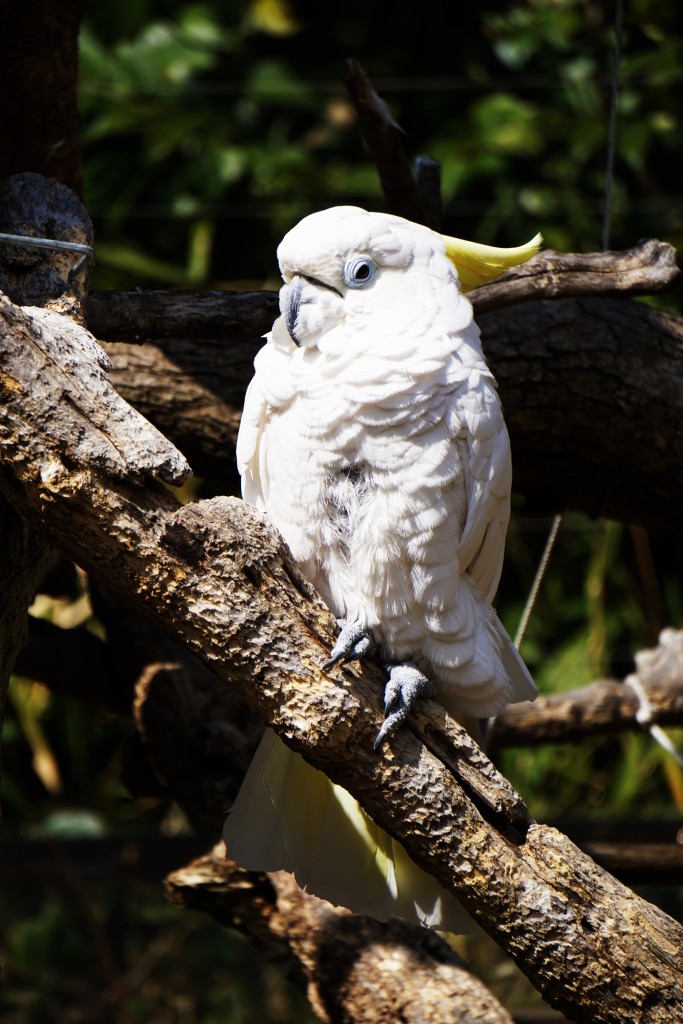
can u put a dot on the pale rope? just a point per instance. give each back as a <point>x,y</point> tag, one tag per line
<point>538,579</point>
<point>645,714</point>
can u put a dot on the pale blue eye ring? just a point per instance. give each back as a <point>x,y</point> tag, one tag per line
<point>358,271</point>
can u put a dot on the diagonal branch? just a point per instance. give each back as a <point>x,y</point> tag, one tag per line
<point>386,141</point>
<point>605,706</point>
<point>342,960</point>
<point>216,576</point>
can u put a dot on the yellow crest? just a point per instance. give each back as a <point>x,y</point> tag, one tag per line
<point>477,263</point>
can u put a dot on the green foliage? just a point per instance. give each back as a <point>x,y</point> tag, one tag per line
<point>213,114</point>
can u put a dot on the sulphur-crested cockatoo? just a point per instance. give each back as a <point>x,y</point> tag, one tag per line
<point>373,438</point>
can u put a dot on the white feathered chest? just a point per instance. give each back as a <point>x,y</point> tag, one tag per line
<point>381,455</point>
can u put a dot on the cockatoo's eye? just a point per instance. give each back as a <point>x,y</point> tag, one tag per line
<point>358,271</point>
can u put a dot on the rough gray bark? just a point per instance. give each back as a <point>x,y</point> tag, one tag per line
<point>342,960</point>
<point>200,736</point>
<point>606,706</point>
<point>646,269</point>
<point>52,378</point>
<point>591,391</point>
<point>215,575</point>
<point>40,208</point>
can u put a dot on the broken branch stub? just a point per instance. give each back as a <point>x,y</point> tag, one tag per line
<point>53,381</point>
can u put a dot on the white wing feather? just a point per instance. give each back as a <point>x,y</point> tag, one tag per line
<point>248,449</point>
<point>289,817</point>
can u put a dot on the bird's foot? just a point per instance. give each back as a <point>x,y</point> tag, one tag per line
<point>406,685</point>
<point>354,642</point>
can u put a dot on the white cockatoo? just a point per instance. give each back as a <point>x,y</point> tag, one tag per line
<point>373,438</point>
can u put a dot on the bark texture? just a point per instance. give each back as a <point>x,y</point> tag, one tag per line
<point>343,960</point>
<point>606,706</point>
<point>216,576</point>
<point>646,269</point>
<point>39,208</point>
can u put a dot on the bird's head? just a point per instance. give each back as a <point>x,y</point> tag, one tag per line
<point>372,274</point>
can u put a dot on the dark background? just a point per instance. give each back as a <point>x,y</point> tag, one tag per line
<point>208,130</point>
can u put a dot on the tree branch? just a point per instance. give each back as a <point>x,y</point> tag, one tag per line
<point>386,141</point>
<point>646,269</point>
<point>342,960</point>
<point>138,316</point>
<point>215,575</point>
<point>201,737</point>
<point>606,706</point>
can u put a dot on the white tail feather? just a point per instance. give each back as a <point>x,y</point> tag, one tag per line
<point>289,816</point>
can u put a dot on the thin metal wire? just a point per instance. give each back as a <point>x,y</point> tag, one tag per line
<point>538,579</point>
<point>87,252</point>
<point>29,241</point>
<point>612,124</point>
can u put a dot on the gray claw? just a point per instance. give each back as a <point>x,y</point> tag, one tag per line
<point>355,641</point>
<point>406,685</point>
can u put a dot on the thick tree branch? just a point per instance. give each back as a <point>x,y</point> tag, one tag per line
<point>139,316</point>
<point>342,960</point>
<point>646,269</point>
<point>201,755</point>
<point>201,737</point>
<point>573,371</point>
<point>215,575</point>
<point>606,706</point>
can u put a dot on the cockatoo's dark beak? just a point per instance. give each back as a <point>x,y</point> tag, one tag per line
<point>292,303</point>
<point>299,328</point>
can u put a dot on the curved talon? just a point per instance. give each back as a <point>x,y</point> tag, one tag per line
<point>354,642</point>
<point>406,684</point>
